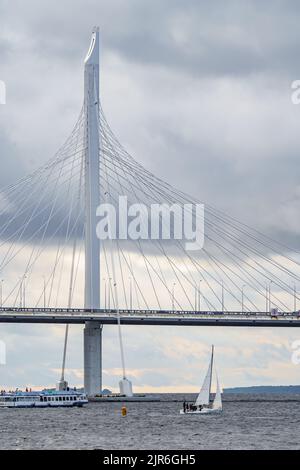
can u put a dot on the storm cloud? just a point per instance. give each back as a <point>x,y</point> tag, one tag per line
<point>200,93</point>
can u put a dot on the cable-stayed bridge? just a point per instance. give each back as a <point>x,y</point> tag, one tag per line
<point>54,269</point>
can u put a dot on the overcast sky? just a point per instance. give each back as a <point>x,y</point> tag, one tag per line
<point>200,93</point>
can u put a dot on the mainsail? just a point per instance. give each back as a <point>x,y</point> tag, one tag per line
<point>217,403</point>
<point>203,397</point>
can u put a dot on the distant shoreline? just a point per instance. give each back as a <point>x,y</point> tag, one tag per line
<point>279,389</point>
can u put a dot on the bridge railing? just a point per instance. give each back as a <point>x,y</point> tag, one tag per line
<point>145,312</point>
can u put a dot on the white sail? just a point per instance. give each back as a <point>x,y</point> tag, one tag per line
<point>203,397</point>
<point>217,403</point>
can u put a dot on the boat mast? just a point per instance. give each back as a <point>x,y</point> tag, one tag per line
<point>211,368</point>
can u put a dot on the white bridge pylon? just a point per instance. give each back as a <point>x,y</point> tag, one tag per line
<point>92,331</point>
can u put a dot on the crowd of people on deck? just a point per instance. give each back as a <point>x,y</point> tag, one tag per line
<point>4,392</point>
<point>191,407</point>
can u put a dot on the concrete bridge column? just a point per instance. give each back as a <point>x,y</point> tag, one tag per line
<point>92,330</point>
<point>93,358</point>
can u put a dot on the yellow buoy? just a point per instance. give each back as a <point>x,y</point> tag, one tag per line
<point>124,411</point>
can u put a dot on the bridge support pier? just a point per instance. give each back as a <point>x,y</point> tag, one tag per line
<point>92,331</point>
<point>93,358</point>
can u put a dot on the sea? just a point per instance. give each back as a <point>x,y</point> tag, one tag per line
<point>254,421</point>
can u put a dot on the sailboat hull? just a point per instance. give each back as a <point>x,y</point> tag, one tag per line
<point>204,411</point>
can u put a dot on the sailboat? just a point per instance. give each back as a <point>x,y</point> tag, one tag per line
<point>203,405</point>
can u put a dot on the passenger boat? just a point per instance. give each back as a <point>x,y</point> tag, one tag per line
<point>203,404</point>
<point>42,399</point>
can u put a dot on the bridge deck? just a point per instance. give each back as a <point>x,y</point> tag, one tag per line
<point>149,317</point>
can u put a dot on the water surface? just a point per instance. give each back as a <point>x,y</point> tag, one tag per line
<point>259,424</point>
